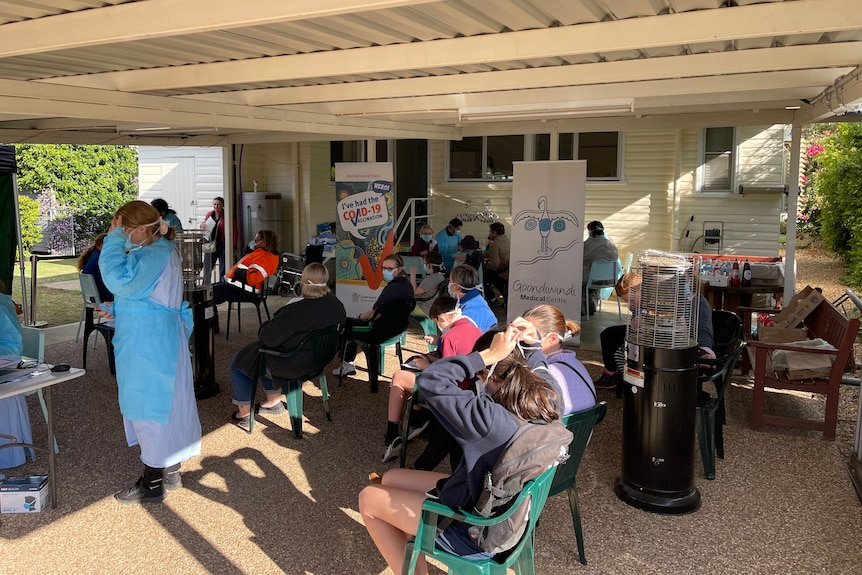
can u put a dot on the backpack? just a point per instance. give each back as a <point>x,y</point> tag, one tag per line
<point>536,447</point>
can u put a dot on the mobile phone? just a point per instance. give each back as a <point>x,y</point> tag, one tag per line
<point>432,493</point>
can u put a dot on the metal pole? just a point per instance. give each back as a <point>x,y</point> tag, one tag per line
<point>34,259</point>
<point>20,245</point>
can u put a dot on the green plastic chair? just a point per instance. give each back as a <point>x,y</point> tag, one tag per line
<point>323,344</point>
<point>521,557</point>
<point>581,425</point>
<point>710,414</point>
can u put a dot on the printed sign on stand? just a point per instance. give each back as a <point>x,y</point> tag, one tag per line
<point>365,202</point>
<point>547,254</point>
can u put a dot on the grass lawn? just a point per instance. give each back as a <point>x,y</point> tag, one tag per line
<point>56,306</point>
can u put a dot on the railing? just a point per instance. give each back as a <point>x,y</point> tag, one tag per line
<point>407,220</point>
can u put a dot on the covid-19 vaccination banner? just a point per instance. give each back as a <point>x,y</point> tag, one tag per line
<point>545,264</point>
<point>365,204</point>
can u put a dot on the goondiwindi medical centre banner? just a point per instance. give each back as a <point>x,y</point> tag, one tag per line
<point>546,259</point>
<point>365,204</point>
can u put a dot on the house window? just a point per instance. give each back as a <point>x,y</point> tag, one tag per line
<point>717,161</point>
<point>601,150</point>
<point>485,157</point>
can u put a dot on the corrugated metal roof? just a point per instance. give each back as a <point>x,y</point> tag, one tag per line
<point>252,67</point>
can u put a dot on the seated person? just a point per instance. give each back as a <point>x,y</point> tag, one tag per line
<point>497,266</point>
<point>167,214</point>
<point>14,415</point>
<point>470,253</point>
<point>464,287</point>
<point>250,272</point>
<point>552,329</point>
<point>88,263</point>
<point>427,291</point>
<point>425,242</point>
<point>613,338</point>
<point>397,288</point>
<point>459,335</point>
<point>598,247</point>
<point>482,425</point>
<point>291,324</point>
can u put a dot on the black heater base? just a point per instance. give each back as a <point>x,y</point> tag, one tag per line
<point>668,503</point>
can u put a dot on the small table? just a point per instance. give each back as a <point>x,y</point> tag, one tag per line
<point>43,381</point>
<point>731,298</point>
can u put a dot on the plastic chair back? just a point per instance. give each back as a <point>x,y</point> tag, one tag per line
<point>322,344</point>
<point>33,343</point>
<point>603,275</point>
<point>581,425</point>
<point>90,293</point>
<point>520,557</point>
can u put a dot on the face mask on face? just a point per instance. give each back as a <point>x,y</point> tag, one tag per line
<point>388,275</point>
<point>130,245</point>
<point>426,237</point>
<point>449,231</point>
<point>451,293</point>
<point>429,269</point>
<point>252,245</point>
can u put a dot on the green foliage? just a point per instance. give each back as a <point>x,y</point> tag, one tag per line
<point>839,185</point>
<point>84,178</point>
<point>31,233</point>
<point>86,184</point>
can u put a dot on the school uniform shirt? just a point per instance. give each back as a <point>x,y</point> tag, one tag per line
<point>576,385</point>
<point>481,426</point>
<point>474,306</point>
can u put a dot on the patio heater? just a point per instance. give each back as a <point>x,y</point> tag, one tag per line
<point>198,291</point>
<point>660,391</point>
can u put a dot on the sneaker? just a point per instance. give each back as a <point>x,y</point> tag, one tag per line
<point>413,432</point>
<point>241,422</point>
<point>347,368</point>
<point>172,480</point>
<point>141,493</point>
<point>606,381</point>
<point>393,450</point>
<point>276,409</point>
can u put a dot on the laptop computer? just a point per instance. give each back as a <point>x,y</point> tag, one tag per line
<point>10,375</point>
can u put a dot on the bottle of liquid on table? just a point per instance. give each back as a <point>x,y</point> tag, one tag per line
<point>746,274</point>
<point>734,274</point>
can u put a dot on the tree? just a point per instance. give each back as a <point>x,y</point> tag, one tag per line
<point>839,185</point>
<point>87,182</point>
<point>31,233</point>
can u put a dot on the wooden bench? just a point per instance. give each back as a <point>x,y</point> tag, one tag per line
<point>826,323</point>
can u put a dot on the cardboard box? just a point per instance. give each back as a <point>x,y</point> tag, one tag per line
<point>769,334</point>
<point>798,308</point>
<point>24,494</point>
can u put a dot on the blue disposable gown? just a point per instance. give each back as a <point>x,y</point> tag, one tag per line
<point>14,417</point>
<point>154,374</point>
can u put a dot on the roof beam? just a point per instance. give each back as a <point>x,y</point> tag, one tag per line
<point>846,91</point>
<point>705,26</point>
<point>45,100</point>
<point>708,89</point>
<point>690,66</point>
<point>163,18</point>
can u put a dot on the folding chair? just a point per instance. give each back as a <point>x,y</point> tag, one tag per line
<point>603,275</point>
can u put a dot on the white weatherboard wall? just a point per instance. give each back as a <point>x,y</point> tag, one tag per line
<point>188,178</point>
<point>639,211</point>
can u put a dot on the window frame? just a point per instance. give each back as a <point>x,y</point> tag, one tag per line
<point>530,147</point>
<point>733,168</point>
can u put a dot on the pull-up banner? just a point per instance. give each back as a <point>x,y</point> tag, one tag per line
<point>545,264</point>
<point>365,202</point>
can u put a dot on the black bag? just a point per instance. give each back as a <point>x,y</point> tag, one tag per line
<point>535,447</point>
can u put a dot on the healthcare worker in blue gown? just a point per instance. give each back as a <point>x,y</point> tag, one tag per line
<point>14,417</point>
<point>141,266</point>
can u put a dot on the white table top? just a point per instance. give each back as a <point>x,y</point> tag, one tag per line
<point>35,382</point>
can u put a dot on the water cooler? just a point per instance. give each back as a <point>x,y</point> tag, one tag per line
<point>198,291</point>
<point>660,391</point>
